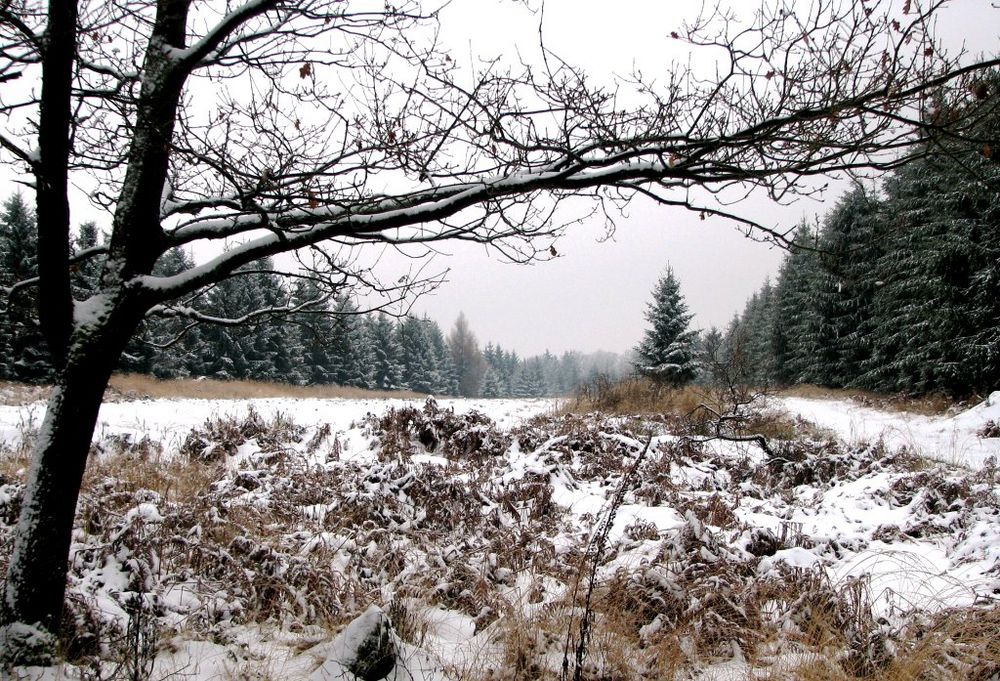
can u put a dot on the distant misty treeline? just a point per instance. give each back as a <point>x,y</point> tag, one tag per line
<point>308,347</point>
<point>895,291</point>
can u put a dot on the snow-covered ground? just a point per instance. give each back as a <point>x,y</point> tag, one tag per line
<point>478,521</point>
<point>952,439</point>
<point>169,421</point>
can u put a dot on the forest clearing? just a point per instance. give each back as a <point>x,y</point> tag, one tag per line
<point>240,538</point>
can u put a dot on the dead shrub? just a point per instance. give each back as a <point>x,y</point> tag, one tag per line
<point>989,429</point>
<point>811,462</point>
<point>954,643</point>
<point>220,436</point>
<point>123,445</point>
<point>407,430</point>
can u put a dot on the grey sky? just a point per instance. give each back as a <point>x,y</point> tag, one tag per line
<point>593,295</point>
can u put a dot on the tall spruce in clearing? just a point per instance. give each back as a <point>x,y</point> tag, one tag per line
<point>667,353</point>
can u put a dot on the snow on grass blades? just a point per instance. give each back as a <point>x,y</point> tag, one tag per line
<point>250,540</point>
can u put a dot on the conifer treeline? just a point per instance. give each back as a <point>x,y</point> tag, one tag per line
<point>896,291</point>
<point>371,351</point>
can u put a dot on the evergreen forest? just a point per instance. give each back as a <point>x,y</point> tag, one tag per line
<point>311,347</point>
<point>895,290</point>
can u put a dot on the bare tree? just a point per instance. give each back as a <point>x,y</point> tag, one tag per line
<point>326,126</point>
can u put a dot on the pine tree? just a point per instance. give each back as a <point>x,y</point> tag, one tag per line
<point>852,242</point>
<point>24,350</point>
<point>929,304</point>
<point>492,386</point>
<point>228,352</point>
<point>710,356</point>
<point>308,332</point>
<point>797,323</point>
<point>387,372</point>
<point>444,374</point>
<point>511,366</point>
<point>415,356</point>
<point>759,319</point>
<point>666,353</point>
<point>86,275</point>
<point>264,340</point>
<point>530,379</point>
<point>351,353</point>
<point>571,371</point>
<point>163,347</point>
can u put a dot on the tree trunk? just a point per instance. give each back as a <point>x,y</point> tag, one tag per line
<point>36,577</point>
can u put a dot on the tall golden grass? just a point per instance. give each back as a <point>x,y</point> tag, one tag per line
<point>638,396</point>
<point>124,387</point>
<point>128,386</point>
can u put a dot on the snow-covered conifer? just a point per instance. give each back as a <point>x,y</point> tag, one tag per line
<point>666,353</point>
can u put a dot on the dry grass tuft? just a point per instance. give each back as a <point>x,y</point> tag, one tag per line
<point>126,387</point>
<point>691,410</point>
<point>19,394</point>
<point>139,386</point>
<point>638,396</point>
<point>172,479</point>
<point>959,643</point>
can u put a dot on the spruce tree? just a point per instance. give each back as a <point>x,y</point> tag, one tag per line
<point>387,372</point>
<point>492,386</point>
<point>86,275</point>
<point>24,350</point>
<point>163,347</point>
<point>710,356</point>
<point>309,332</point>
<point>799,329</point>
<point>444,373</point>
<point>667,353</point>
<point>853,241</point>
<point>351,354</point>
<point>415,356</point>
<point>571,371</point>
<point>930,305</point>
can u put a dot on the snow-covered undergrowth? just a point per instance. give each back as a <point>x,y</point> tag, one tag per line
<point>236,541</point>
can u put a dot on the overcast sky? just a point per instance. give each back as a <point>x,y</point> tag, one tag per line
<point>592,296</point>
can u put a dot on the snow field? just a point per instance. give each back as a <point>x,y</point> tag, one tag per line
<point>951,439</point>
<point>471,528</point>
